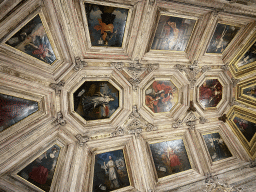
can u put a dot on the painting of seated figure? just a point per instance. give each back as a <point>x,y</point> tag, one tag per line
<point>173,33</point>
<point>170,157</point>
<point>247,128</point>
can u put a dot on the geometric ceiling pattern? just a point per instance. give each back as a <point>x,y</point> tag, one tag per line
<point>116,95</point>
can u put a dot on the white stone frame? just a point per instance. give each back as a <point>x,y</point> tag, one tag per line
<point>10,85</point>
<point>26,155</point>
<point>226,93</point>
<point>131,157</point>
<point>131,30</point>
<point>176,10</point>
<point>228,137</point>
<point>183,178</point>
<point>20,18</point>
<point>182,84</point>
<point>90,74</point>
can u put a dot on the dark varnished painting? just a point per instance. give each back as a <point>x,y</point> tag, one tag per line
<point>110,172</point>
<point>106,24</point>
<point>33,40</point>
<point>216,147</point>
<point>250,91</point>
<point>249,56</point>
<point>170,157</point>
<point>247,128</point>
<point>96,100</point>
<point>161,96</point>
<point>41,171</point>
<point>172,33</point>
<point>14,109</point>
<point>210,93</point>
<point>222,36</point>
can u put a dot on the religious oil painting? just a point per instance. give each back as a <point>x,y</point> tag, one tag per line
<point>106,24</point>
<point>222,36</point>
<point>96,100</point>
<point>217,148</point>
<point>170,157</point>
<point>249,56</point>
<point>247,128</point>
<point>172,33</point>
<point>33,40</point>
<point>210,93</point>
<point>110,172</point>
<point>14,109</point>
<point>40,172</point>
<point>250,91</point>
<point>161,96</point>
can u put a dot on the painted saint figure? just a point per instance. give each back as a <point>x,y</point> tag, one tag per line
<point>210,93</point>
<point>158,98</point>
<point>113,177</point>
<point>172,160</point>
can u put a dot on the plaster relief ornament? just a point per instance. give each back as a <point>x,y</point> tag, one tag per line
<point>161,96</point>
<point>210,93</point>
<point>14,109</point>
<point>106,24</point>
<point>41,171</point>
<point>172,33</point>
<point>33,40</point>
<point>96,100</point>
<point>170,157</point>
<point>222,36</point>
<point>217,148</point>
<point>110,172</point>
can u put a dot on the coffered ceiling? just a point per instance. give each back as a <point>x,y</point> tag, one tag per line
<point>127,95</point>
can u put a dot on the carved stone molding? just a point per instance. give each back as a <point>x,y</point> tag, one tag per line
<point>191,107</point>
<point>118,132</point>
<point>252,163</point>
<point>190,120</point>
<point>225,67</point>
<point>151,127</point>
<point>135,72</point>
<point>234,81</point>
<point>192,71</point>
<point>202,120</point>
<point>178,123</point>
<point>82,139</point>
<point>79,64</point>
<point>235,102</point>
<point>60,120</point>
<point>223,118</point>
<point>151,2</point>
<point>57,86</point>
<point>134,113</point>
<point>213,185</point>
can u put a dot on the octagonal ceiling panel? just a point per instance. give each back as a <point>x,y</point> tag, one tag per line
<point>222,36</point>
<point>246,92</point>
<point>96,100</point>
<point>14,109</point>
<point>243,125</point>
<point>210,93</point>
<point>161,96</point>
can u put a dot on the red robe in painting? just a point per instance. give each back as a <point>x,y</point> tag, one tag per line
<point>174,160</point>
<point>39,174</point>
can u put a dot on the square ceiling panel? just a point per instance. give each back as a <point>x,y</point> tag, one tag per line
<point>222,36</point>
<point>106,24</point>
<point>173,33</point>
<point>33,40</point>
